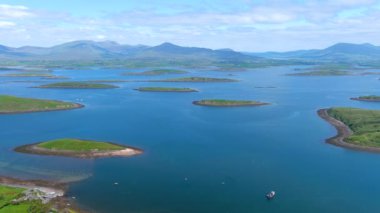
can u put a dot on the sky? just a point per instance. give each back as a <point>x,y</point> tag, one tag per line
<point>243,25</point>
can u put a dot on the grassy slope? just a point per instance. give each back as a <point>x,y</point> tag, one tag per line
<point>166,89</point>
<point>197,79</point>
<point>7,194</point>
<point>158,72</point>
<point>364,123</point>
<point>79,145</point>
<point>80,85</point>
<point>10,104</point>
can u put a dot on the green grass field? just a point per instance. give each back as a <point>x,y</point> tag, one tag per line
<point>77,145</point>
<point>222,102</point>
<point>364,123</point>
<point>165,89</point>
<point>196,79</point>
<point>78,85</point>
<point>11,104</point>
<point>157,72</point>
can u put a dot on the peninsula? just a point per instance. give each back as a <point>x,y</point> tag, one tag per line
<point>12,104</point>
<point>228,103</point>
<point>77,85</point>
<point>34,196</point>
<point>195,79</point>
<point>156,72</point>
<point>78,148</point>
<point>165,89</point>
<point>321,73</point>
<point>370,98</point>
<point>357,128</point>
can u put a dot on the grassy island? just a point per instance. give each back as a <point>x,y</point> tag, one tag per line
<point>196,79</point>
<point>165,89</point>
<point>357,128</point>
<point>156,72</point>
<point>11,104</point>
<point>370,98</point>
<point>322,73</point>
<point>228,103</point>
<point>78,148</point>
<point>19,196</point>
<point>78,85</point>
<point>27,74</point>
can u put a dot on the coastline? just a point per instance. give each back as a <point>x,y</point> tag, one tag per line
<point>55,189</point>
<point>75,106</point>
<point>343,131</point>
<point>168,91</point>
<point>33,149</point>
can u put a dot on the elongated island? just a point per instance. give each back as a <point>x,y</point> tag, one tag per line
<point>228,103</point>
<point>77,85</point>
<point>165,89</point>
<point>12,105</point>
<point>78,148</point>
<point>357,129</point>
<point>369,98</point>
<point>195,79</point>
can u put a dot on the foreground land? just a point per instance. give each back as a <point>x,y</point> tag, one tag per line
<point>156,72</point>
<point>21,196</point>
<point>165,89</point>
<point>370,98</point>
<point>196,79</point>
<point>11,104</point>
<point>357,128</point>
<point>78,85</point>
<point>228,103</point>
<point>79,148</point>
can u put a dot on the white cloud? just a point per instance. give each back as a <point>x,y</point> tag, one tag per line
<point>14,11</point>
<point>5,24</point>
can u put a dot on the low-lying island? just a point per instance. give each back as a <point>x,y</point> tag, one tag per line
<point>78,148</point>
<point>228,103</point>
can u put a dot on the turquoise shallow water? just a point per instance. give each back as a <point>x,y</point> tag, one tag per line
<point>201,159</point>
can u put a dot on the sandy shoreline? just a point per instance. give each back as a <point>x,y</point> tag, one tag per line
<point>343,131</point>
<point>34,149</point>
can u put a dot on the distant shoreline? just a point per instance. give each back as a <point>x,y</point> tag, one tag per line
<point>343,131</point>
<point>199,103</point>
<point>365,99</point>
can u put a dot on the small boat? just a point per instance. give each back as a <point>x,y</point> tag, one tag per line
<point>270,195</point>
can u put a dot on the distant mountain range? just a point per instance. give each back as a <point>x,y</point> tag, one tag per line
<point>341,52</point>
<point>91,50</point>
<point>171,54</point>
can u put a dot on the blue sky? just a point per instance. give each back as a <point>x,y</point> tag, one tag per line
<point>244,25</point>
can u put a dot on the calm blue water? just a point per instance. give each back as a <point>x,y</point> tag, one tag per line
<point>200,159</point>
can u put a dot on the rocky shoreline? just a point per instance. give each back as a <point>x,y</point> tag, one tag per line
<point>343,132</point>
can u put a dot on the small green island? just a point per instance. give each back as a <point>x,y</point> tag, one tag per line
<point>157,72</point>
<point>228,103</point>
<point>321,73</point>
<point>29,74</point>
<point>195,79</point>
<point>357,128</point>
<point>77,85</point>
<point>369,98</point>
<point>165,89</point>
<point>12,104</point>
<point>20,196</point>
<point>69,147</point>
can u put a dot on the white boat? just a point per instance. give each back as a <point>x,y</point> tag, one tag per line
<point>270,195</point>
